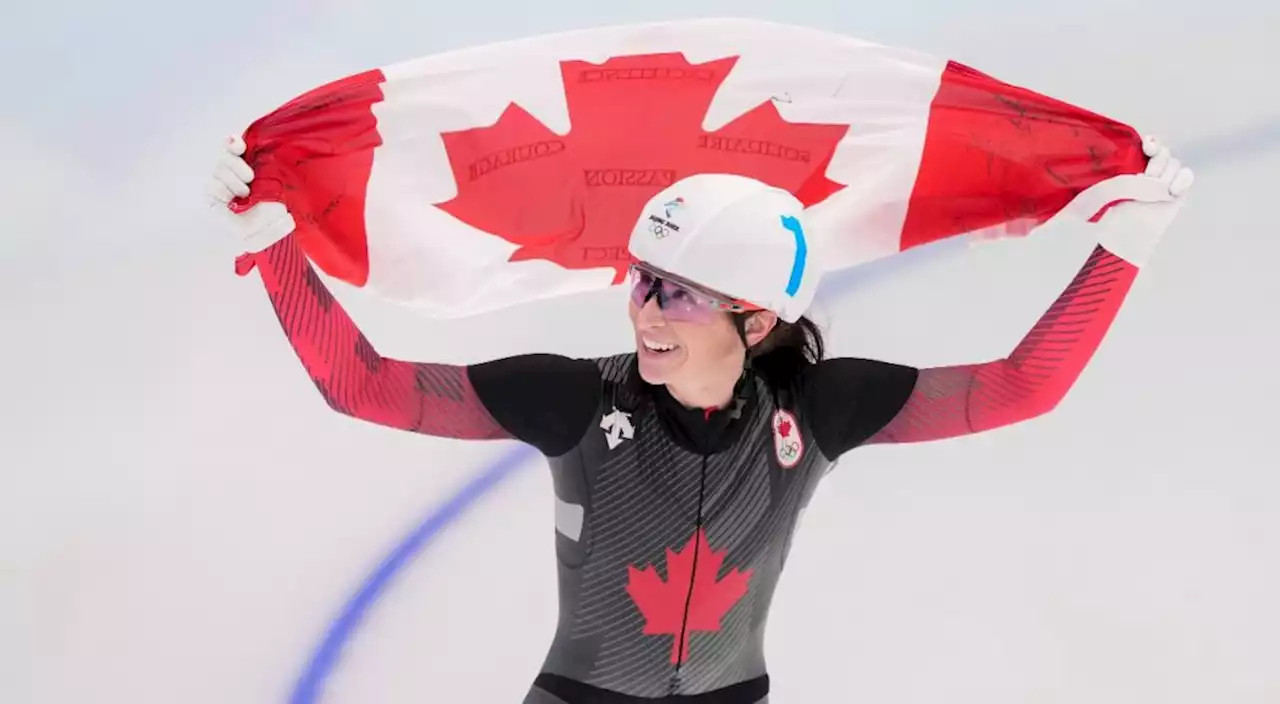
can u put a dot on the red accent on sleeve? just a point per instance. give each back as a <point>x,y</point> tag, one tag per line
<point>953,401</point>
<point>434,399</point>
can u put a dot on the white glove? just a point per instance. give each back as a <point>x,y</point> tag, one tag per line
<point>258,227</point>
<point>1132,229</point>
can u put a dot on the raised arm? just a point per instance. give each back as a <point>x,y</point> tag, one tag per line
<point>545,400</point>
<point>435,399</point>
<point>856,402</point>
<point>948,402</point>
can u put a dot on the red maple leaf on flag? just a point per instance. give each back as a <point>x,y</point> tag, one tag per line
<point>690,600</point>
<point>636,129</point>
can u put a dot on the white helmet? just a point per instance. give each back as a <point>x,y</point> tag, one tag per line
<point>735,235</point>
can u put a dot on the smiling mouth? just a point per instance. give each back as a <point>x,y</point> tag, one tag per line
<point>657,347</point>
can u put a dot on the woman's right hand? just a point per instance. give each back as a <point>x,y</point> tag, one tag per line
<point>258,227</point>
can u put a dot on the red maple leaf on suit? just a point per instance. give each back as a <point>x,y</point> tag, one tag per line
<point>691,599</point>
<point>784,428</point>
<point>636,129</point>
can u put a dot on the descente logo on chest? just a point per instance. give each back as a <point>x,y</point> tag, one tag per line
<point>617,427</point>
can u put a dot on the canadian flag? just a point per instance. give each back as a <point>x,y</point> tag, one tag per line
<point>497,175</point>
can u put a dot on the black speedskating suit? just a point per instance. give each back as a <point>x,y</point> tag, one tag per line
<point>673,524</point>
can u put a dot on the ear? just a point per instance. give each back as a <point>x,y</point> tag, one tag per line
<point>759,325</point>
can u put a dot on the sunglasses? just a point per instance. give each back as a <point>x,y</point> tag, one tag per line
<point>680,300</point>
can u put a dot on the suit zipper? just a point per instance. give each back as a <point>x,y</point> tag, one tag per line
<point>693,578</point>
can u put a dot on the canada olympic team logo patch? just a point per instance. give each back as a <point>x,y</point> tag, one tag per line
<point>787,443</point>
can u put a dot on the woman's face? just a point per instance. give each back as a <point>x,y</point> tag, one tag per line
<point>682,339</point>
<point>672,351</point>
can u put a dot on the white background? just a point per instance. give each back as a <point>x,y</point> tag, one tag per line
<point>181,515</point>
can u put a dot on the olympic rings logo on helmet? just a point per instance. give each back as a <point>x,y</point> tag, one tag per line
<point>661,228</point>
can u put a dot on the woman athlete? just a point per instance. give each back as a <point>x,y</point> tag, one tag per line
<point>680,469</point>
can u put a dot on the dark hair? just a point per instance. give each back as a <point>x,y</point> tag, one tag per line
<point>785,352</point>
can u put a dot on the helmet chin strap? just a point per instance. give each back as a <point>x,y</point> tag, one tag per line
<point>740,324</point>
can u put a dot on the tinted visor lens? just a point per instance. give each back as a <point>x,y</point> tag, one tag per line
<point>676,301</point>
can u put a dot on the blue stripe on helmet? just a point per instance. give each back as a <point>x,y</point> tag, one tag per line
<point>802,253</point>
